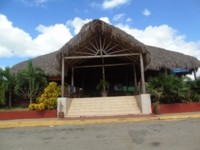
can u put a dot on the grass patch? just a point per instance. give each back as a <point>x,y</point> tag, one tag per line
<point>14,108</point>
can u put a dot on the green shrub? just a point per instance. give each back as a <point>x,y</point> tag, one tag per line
<point>48,100</point>
<point>168,88</point>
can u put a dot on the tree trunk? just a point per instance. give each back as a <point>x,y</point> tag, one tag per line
<point>31,100</point>
<point>9,103</point>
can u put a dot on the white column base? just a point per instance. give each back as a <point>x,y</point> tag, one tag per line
<point>144,102</point>
<point>61,100</point>
<point>66,102</point>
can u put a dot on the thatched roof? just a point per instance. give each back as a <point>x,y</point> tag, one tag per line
<point>96,31</point>
<point>46,62</point>
<point>162,58</point>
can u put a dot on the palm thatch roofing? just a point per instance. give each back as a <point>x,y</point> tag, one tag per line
<point>47,62</point>
<point>162,58</point>
<point>97,35</point>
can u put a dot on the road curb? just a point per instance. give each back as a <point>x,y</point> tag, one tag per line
<point>179,117</point>
<point>57,122</point>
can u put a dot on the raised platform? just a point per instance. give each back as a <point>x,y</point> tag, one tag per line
<point>103,106</point>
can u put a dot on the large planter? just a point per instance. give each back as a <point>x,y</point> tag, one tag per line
<point>178,107</point>
<point>104,93</point>
<point>157,110</point>
<point>61,114</point>
<point>29,114</point>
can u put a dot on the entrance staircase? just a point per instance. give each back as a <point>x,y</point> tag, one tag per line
<point>103,106</point>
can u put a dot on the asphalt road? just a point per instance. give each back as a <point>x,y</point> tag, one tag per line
<point>156,135</point>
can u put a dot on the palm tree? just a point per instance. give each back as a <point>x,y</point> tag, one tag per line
<point>7,84</point>
<point>30,82</point>
<point>168,88</point>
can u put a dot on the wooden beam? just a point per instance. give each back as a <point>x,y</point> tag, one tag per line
<point>142,75</point>
<point>99,56</point>
<point>106,65</point>
<point>63,77</point>
<point>90,54</point>
<point>117,51</point>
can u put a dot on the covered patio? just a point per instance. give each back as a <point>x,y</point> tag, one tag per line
<point>102,51</point>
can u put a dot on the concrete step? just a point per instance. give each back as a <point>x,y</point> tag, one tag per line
<point>103,106</point>
<point>102,114</point>
<point>103,101</point>
<point>103,109</point>
<point>120,98</point>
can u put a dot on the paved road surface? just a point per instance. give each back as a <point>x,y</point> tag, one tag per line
<point>149,135</point>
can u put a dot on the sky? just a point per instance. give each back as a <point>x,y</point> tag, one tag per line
<point>29,28</point>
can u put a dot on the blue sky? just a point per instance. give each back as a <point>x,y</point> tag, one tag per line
<point>29,28</point>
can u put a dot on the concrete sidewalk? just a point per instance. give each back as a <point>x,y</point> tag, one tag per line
<point>93,120</point>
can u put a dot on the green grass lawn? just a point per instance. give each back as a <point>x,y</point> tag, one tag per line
<point>14,108</point>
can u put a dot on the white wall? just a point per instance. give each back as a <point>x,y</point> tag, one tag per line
<point>144,102</point>
<point>66,102</point>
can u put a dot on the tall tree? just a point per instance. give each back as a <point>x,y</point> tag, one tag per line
<point>7,84</point>
<point>31,81</point>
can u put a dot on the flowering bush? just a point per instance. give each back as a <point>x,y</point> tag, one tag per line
<point>32,107</point>
<point>48,100</point>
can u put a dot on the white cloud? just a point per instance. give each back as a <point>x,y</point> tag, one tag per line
<point>77,23</point>
<point>105,19</point>
<point>4,51</point>
<point>16,42</point>
<point>109,4</point>
<point>128,20</point>
<point>146,12</point>
<point>51,38</point>
<point>95,4</point>
<point>118,17</point>
<point>33,2</point>
<point>165,37</point>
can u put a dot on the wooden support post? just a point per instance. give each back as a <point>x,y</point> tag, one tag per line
<point>135,77</point>
<point>103,74</point>
<point>103,70</point>
<point>195,75</point>
<point>63,77</point>
<point>72,77</point>
<point>142,75</point>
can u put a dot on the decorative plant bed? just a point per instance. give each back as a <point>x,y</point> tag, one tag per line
<point>178,108</point>
<point>29,114</point>
<point>21,101</point>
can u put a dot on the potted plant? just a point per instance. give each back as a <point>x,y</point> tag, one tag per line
<point>103,84</point>
<point>156,89</point>
<point>61,113</point>
<point>74,95</point>
<point>157,107</point>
